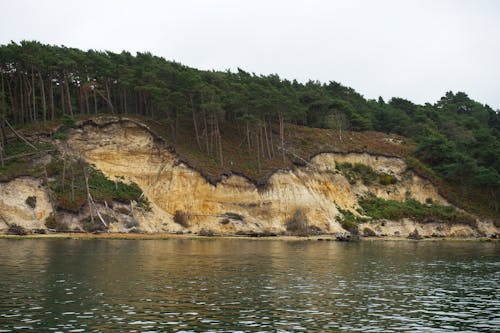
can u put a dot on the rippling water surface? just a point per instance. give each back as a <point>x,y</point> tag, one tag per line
<point>223,285</point>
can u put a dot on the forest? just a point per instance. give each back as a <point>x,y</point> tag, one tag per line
<point>456,137</point>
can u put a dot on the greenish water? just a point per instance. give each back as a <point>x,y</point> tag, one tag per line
<point>225,285</point>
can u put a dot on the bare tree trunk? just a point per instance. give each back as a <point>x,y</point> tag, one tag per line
<point>63,181</point>
<point>195,123</point>
<point>51,99</point>
<point>266,140</point>
<point>63,107</point>
<point>206,130</point>
<point>42,92</point>
<point>282,135</point>
<point>89,197</point>
<point>125,109</point>
<point>261,136</point>
<point>219,140</point>
<point>258,149</point>
<point>248,138</point>
<point>34,94</point>
<point>271,138</point>
<point>86,96</point>
<point>21,99</point>
<point>66,83</point>
<point>3,115</point>
<point>72,183</point>
<point>95,101</point>
<point>28,99</point>
<point>108,98</point>
<point>13,102</point>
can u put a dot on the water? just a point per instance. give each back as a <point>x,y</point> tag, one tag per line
<point>224,285</point>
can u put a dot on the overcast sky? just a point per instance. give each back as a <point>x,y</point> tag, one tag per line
<point>416,49</point>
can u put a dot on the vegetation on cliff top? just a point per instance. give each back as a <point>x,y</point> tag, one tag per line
<point>220,119</point>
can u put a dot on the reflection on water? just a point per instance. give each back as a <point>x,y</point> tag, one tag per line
<point>248,286</point>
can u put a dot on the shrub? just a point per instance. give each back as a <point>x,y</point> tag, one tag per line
<point>368,232</point>
<point>60,136</point>
<point>131,223</point>
<point>415,235</point>
<point>410,208</point>
<point>181,218</point>
<point>348,221</point>
<point>101,188</point>
<point>365,173</point>
<point>95,226</point>
<point>51,222</point>
<point>15,229</point>
<point>298,224</point>
<point>206,232</point>
<point>386,179</point>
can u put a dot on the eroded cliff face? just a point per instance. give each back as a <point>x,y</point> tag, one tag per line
<point>24,202</point>
<point>183,200</point>
<point>235,204</point>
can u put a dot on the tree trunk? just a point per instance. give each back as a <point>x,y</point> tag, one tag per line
<point>30,117</point>
<point>266,140</point>
<point>125,109</point>
<point>95,101</point>
<point>42,93</point>
<point>68,96</point>
<point>206,130</point>
<point>270,126</point>
<point>195,123</point>
<point>248,138</point>
<point>3,138</point>
<point>108,96</point>
<point>86,96</point>
<point>34,94</point>
<point>21,100</point>
<point>63,107</point>
<point>282,135</point>
<point>218,139</point>
<point>51,99</point>
<point>258,149</point>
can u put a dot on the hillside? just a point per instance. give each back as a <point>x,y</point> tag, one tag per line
<point>224,124</point>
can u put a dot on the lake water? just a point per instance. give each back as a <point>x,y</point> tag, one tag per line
<point>224,285</point>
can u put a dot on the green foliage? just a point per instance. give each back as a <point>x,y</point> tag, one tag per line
<point>70,188</point>
<point>395,210</point>
<point>365,173</point>
<point>349,221</point>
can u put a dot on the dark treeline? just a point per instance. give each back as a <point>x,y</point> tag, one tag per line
<point>458,137</point>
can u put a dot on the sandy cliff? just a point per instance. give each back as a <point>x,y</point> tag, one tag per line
<point>234,204</point>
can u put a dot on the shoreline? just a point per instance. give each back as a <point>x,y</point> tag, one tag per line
<point>166,236</point>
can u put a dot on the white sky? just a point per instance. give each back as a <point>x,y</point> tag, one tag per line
<point>415,49</point>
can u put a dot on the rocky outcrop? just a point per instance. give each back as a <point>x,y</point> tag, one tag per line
<point>24,202</point>
<point>183,200</point>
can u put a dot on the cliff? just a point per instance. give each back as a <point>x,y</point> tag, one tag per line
<point>182,199</point>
